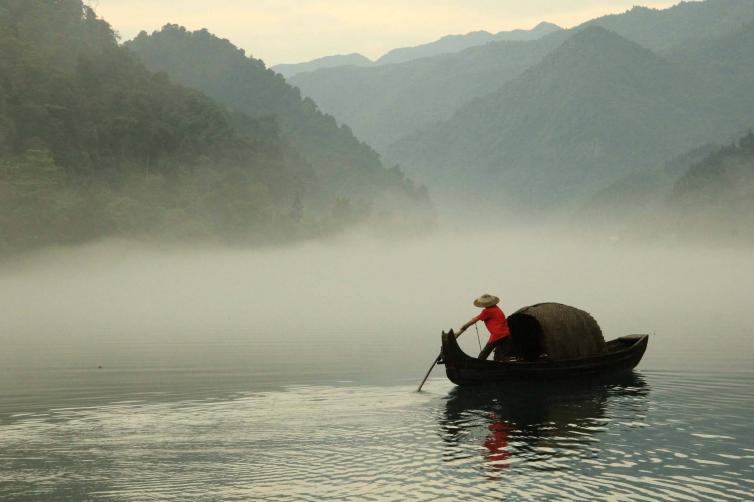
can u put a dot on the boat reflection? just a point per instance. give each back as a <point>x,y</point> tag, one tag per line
<point>542,425</point>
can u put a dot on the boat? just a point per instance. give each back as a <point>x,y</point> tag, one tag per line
<point>550,341</point>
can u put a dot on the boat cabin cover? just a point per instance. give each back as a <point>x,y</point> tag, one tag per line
<point>560,331</point>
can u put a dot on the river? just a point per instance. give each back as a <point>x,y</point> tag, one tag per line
<point>135,372</point>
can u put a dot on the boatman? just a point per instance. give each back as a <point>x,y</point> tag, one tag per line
<point>497,325</point>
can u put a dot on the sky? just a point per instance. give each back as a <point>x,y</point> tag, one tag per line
<point>292,31</point>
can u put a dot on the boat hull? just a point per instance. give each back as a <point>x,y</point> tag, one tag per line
<point>622,355</point>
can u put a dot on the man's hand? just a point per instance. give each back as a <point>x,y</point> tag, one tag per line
<point>466,326</point>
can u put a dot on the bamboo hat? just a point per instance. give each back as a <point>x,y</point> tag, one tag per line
<point>485,301</point>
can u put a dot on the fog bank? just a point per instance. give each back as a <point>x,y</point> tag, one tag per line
<point>360,303</point>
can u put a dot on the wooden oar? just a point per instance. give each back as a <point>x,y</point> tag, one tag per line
<point>434,363</point>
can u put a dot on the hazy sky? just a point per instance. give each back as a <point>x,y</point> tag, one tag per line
<point>289,31</point>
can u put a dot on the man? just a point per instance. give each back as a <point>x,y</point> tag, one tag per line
<point>497,325</point>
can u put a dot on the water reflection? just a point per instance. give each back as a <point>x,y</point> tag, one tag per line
<point>541,425</point>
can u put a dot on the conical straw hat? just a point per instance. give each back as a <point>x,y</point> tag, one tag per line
<point>485,301</point>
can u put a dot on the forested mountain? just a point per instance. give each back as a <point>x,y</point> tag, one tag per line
<point>451,44</point>
<point>715,198</point>
<point>595,109</point>
<point>725,62</point>
<point>289,70</point>
<point>384,103</point>
<point>639,194</point>
<point>709,200</point>
<point>664,30</point>
<point>216,67</point>
<point>93,144</point>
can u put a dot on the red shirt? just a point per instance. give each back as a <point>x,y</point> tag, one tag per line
<point>496,323</point>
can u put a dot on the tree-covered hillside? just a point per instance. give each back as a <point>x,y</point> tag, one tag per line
<point>716,196</point>
<point>224,72</point>
<point>384,103</point>
<point>688,22</point>
<point>593,110</point>
<point>710,201</point>
<point>93,144</point>
<point>726,63</point>
<point>638,195</point>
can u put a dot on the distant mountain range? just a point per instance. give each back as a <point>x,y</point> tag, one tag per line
<point>456,43</point>
<point>180,134</point>
<point>592,111</point>
<point>355,59</point>
<point>384,103</point>
<point>449,44</point>
<point>578,122</point>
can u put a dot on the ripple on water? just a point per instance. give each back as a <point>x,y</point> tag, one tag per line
<point>652,437</point>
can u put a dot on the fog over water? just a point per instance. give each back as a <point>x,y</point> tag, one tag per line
<point>358,307</point>
<point>289,373</point>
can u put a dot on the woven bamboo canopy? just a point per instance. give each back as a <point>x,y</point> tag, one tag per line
<point>560,331</point>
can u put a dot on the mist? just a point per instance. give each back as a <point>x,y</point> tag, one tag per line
<point>356,307</point>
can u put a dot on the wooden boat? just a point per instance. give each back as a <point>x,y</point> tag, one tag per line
<point>550,342</point>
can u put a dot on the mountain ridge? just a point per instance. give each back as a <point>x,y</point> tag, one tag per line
<point>584,116</point>
<point>224,72</point>
<point>451,44</point>
<point>448,44</point>
<point>353,59</point>
<point>384,103</point>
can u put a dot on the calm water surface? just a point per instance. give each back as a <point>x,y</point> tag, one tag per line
<point>206,392</point>
<point>651,436</point>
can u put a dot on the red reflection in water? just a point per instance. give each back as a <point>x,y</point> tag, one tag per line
<point>497,444</point>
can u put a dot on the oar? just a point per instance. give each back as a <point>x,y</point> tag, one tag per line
<point>428,372</point>
<point>434,363</point>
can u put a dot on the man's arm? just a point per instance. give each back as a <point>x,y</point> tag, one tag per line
<point>466,326</point>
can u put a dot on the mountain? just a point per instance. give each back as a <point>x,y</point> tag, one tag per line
<point>222,71</point>
<point>456,43</point>
<point>592,111</point>
<point>726,62</point>
<point>712,201</point>
<point>384,103</point>
<point>289,70</point>
<point>639,194</point>
<point>446,45</point>
<point>719,190</point>
<point>664,30</point>
<point>93,144</point>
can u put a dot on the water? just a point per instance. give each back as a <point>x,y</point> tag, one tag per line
<point>242,399</point>
<point>653,436</point>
